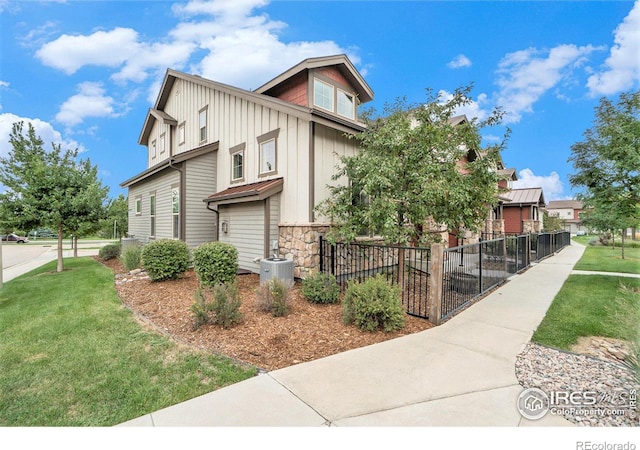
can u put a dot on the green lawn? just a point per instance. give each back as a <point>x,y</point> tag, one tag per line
<point>591,305</point>
<point>607,259</point>
<point>72,355</point>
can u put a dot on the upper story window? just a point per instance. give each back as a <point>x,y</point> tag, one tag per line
<point>202,123</point>
<point>162,143</point>
<point>181,134</point>
<point>346,104</point>
<point>237,162</point>
<point>268,152</point>
<point>153,148</point>
<point>322,94</point>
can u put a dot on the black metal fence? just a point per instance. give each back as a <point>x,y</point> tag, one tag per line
<point>406,266</point>
<point>474,269</point>
<point>469,271</point>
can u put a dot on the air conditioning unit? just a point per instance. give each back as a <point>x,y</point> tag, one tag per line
<point>280,268</point>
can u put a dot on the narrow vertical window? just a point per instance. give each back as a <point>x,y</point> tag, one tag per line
<point>202,121</point>
<point>138,206</point>
<point>175,211</point>
<point>237,162</point>
<point>268,152</point>
<point>152,215</point>
<point>153,149</point>
<point>162,143</point>
<point>322,94</point>
<point>181,134</point>
<point>346,104</point>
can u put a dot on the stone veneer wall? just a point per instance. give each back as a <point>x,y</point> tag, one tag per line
<point>301,243</point>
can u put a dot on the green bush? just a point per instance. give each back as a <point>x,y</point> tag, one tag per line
<point>215,263</point>
<point>109,251</point>
<point>321,288</point>
<point>165,259</point>
<point>274,296</point>
<point>130,258</point>
<point>373,304</point>
<point>218,305</point>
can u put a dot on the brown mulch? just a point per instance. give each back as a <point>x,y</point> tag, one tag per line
<point>307,333</point>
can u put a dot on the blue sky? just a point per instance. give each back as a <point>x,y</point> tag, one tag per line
<point>85,72</point>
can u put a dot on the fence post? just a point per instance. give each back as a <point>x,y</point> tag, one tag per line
<point>434,297</point>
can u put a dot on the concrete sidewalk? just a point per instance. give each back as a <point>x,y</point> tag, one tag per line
<point>461,373</point>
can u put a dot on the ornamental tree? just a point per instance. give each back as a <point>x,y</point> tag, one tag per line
<point>48,188</point>
<point>420,170</point>
<point>607,164</point>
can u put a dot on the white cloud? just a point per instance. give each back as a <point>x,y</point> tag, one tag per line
<point>551,185</point>
<point>102,48</point>
<point>90,101</point>
<point>459,61</point>
<point>526,75</point>
<point>479,109</point>
<point>43,129</point>
<point>622,67</point>
<point>241,47</point>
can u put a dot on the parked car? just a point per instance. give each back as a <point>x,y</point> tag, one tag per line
<point>43,233</point>
<point>15,238</point>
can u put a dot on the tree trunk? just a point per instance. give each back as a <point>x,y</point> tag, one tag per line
<point>60,267</point>
<point>622,244</point>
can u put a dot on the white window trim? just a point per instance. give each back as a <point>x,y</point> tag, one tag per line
<point>264,139</point>
<point>237,150</point>
<point>353,104</point>
<point>162,143</point>
<point>153,205</point>
<point>332,97</point>
<point>154,149</point>
<point>175,232</point>
<point>204,110</point>
<point>181,133</point>
<point>138,205</point>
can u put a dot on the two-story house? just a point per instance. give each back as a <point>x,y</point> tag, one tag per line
<point>569,212</point>
<point>247,167</point>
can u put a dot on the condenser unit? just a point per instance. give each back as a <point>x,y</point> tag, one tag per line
<point>280,268</point>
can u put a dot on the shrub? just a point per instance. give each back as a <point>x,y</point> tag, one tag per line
<point>165,259</point>
<point>274,296</point>
<point>373,304</point>
<point>219,305</point>
<point>321,288</point>
<point>109,251</point>
<point>215,263</point>
<point>130,258</point>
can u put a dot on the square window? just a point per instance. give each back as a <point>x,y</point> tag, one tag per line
<point>346,104</point>
<point>322,94</point>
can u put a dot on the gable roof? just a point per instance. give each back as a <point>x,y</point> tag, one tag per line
<point>526,196</point>
<point>157,112</point>
<point>507,174</point>
<point>343,64</point>
<point>564,204</point>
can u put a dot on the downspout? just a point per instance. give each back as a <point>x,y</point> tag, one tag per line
<point>312,169</point>
<point>217,218</point>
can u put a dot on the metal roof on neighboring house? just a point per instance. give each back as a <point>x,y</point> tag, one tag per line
<point>524,196</point>
<point>564,204</point>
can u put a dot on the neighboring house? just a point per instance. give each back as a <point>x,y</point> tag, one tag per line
<point>494,223</point>
<point>522,210</point>
<point>569,212</point>
<point>247,167</point>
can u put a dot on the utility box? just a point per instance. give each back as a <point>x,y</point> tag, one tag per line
<point>280,268</point>
<point>128,242</point>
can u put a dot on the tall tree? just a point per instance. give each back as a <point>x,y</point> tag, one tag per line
<point>413,172</point>
<point>48,189</point>
<point>607,164</point>
<point>115,222</point>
